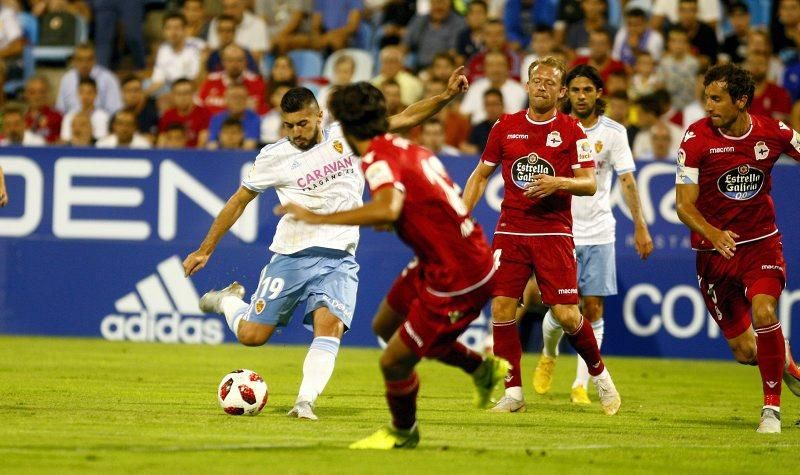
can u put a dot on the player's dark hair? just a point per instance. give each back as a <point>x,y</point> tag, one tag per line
<point>738,82</point>
<point>590,73</point>
<point>297,99</point>
<point>361,109</point>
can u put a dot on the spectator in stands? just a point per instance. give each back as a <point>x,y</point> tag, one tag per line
<point>107,14</point>
<point>394,98</point>
<point>75,7</point>
<point>435,32</point>
<point>174,136</point>
<point>542,44</point>
<point>283,71</point>
<point>515,96</point>
<point>237,108</point>
<point>194,117</point>
<point>124,133</point>
<point>343,70</point>
<point>196,24</point>
<point>470,40</point>
<point>234,63</point>
<point>178,56</point>
<point>289,23</point>
<point>568,13</point>
<point>392,68</point>
<point>636,36</point>
<point>335,23</point>
<point>667,12</point>
<point>271,123</point>
<point>702,37</point>
<point>493,105</point>
<point>394,19</point>
<point>662,146</point>
<point>251,31</point>
<point>456,126</point>
<point>58,21</point>
<point>695,110</point>
<point>599,55</point>
<point>2,84</point>
<point>494,39</point>
<point>81,131</point>
<point>432,138</point>
<point>40,118</point>
<point>87,94</point>
<point>226,30</point>
<point>14,130</point>
<point>143,107</point>
<point>618,110</point>
<point>11,42</point>
<point>650,111</point>
<point>759,43</point>
<point>617,81</point>
<point>231,135</point>
<point>734,47</point>
<point>442,66</point>
<point>646,78</point>
<point>594,19</point>
<point>678,67</point>
<point>784,34</point>
<point>109,97</point>
<point>523,16</point>
<point>769,99</point>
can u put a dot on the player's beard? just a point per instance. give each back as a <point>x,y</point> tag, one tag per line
<point>585,114</point>
<point>310,143</point>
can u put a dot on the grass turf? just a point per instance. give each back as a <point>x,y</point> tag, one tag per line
<point>90,405</point>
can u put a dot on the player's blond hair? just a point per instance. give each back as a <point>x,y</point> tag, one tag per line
<point>551,61</point>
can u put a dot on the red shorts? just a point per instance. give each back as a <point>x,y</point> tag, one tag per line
<point>728,286</point>
<point>551,258</point>
<point>433,323</point>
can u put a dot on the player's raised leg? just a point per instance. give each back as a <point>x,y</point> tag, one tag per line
<point>229,303</point>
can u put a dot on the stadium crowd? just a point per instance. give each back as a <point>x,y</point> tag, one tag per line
<point>211,73</point>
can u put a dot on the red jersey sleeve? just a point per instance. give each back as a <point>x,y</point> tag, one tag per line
<point>581,156</point>
<point>791,141</point>
<point>493,152</point>
<point>690,155</point>
<point>380,172</point>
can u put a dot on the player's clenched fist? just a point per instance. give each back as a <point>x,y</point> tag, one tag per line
<point>194,262</point>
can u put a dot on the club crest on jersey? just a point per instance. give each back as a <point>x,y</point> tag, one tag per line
<point>554,139</point>
<point>338,146</point>
<point>741,183</point>
<point>525,168</point>
<point>761,149</point>
<point>260,304</point>
<point>598,146</point>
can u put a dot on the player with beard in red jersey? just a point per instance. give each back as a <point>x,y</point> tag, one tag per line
<point>454,278</point>
<point>545,158</point>
<point>722,194</point>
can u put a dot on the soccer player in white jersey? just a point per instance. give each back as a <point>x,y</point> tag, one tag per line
<point>593,224</point>
<point>311,265</point>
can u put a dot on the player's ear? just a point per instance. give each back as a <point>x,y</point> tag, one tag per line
<point>562,92</point>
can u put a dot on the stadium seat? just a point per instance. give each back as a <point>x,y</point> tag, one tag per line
<point>61,54</point>
<point>30,30</point>
<point>363,59</point>
<point>307,63</point>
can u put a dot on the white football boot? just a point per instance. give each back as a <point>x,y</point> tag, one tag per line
<point>211,301</point>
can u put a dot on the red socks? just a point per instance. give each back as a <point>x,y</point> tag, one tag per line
<point>585,344</point>
<point>508,346</point>
<point>402,399</point>
<point>771,353</point>
<point>462,357</point>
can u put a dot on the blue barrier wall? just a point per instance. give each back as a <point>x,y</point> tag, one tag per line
<point>92,242</point>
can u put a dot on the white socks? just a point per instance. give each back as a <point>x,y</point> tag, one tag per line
<point>552,333</point>
<point>318,367</point>
<point>234,309</point>
<point>582,373</point>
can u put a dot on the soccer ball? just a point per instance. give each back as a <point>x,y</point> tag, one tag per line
<point>242,392</point>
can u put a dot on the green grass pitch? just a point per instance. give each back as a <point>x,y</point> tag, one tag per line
<point>69,405</point>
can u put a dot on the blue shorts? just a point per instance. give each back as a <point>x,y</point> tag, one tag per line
<point>317,276</point>
<point>597,270</point>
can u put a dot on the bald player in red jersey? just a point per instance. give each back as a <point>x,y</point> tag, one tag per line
<point>545,158</point>
<point>723,183</point>
<point>454,277</point>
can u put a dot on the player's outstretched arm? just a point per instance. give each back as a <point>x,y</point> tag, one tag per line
<point>385,208</point>
<point>222,223</point>
<point>417,112</point>
<point>686,197</point>
<point>641,234</point>
<point>476,185</point>
<point>3,193</point>
<point>583,184</point>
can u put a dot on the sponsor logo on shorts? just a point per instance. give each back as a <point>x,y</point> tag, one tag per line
<point>517,136</point>
<point>771,267</point>
<point>525,168</point>
<point>412,334</point>
<point>741,183</point>
<point>336,305</point>
<point>567,291</point>
<point>260,304</point>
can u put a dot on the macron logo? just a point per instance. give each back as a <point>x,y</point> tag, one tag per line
<point>164,308</point>
<point>517,136</point>
<point>689,135</point>
<point>567,291</point>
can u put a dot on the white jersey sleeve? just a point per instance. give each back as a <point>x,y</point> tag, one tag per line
<point>267,169</point>
<point>621,156</point>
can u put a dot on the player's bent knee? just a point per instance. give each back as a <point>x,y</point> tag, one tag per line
<point>764,315</point>
<point>569,316</point>
<point>253,335</point>
<point>504,309</point>
<point>593,310</point>
<point>745,355</point>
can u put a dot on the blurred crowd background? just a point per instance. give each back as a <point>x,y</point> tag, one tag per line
<point>211,73</point>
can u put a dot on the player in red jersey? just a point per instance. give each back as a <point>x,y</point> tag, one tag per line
<point>723,183</point>
<point>411,191</point>
<point>545,159</point>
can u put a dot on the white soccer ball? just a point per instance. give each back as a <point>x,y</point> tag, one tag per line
<point>242,392</point>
